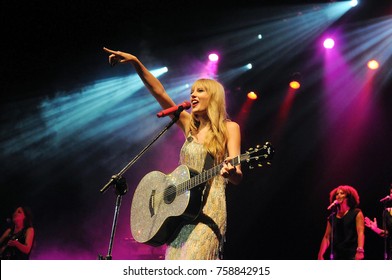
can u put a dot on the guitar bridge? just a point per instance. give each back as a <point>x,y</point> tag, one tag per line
<point>151,203</point>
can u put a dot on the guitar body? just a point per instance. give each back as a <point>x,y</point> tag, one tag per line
<point>158,209</point>
<point>162,203</point>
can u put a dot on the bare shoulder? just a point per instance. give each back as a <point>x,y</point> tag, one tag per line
<point>231,125</point>
<point>360,214</point>
<point>233,133</point>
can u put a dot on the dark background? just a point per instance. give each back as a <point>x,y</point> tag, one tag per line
<point>53,50</point>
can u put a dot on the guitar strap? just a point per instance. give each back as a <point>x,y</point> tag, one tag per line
<point>208,164</point>
<point>203,218</point>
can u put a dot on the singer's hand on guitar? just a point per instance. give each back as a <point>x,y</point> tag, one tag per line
<point>118,57</point>
<point>228,169</point>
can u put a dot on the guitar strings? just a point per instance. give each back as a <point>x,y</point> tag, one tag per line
<point>190,183</point>
<point>204,176</point>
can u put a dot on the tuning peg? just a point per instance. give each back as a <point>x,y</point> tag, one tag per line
<point>268,144</point>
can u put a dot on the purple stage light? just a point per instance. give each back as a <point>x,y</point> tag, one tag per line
<point>329,43</point>
<point>213,57</point>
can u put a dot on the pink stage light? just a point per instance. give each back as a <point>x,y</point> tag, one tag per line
<point>329,43</point>
<point>213,57</point>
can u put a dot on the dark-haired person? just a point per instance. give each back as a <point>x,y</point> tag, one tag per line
<point>386,233</point>
<point>348,226</point>
<point>17,241</point>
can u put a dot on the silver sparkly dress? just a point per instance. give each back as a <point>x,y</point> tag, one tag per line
<point>201,240</point>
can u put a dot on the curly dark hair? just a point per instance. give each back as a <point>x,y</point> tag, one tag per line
<point>351,195</point>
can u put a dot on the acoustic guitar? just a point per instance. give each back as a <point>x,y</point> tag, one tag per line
<point>162,202</point>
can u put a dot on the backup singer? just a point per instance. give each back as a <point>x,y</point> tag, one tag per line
<point>348,226</point>
<point>17,241</point>
<point>388,227</point>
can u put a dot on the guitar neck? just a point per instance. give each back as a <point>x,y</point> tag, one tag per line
<point>204,176</point>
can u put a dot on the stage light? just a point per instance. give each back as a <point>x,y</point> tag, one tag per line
<point>213,57</point>
<point>329,43</point>
<point>259,36</point>
<point>249,66</point>
<point>373,64</point>
<point>295,82</point>
<point>252,95</point>
<point>353,3</point>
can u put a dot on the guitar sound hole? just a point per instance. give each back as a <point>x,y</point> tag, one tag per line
<point>170,194</point>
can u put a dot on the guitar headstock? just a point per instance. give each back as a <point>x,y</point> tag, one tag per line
<point>260,154</point>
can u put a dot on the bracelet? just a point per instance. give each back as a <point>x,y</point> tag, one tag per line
<point>360,250</point>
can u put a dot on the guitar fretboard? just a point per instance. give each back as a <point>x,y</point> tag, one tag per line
<point>203,177</point>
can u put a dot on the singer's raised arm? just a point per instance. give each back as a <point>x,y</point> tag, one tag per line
<point>153,85</point>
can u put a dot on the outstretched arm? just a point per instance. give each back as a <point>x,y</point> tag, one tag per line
<point>374,227</point>
<point>153,85</point>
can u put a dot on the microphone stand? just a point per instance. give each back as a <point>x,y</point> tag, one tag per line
<point>384,228</point>
<point>121,188</point>
<point>332,217</point>
<point>120,184</point>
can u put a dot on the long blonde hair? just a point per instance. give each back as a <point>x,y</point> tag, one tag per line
<point>216,138</point>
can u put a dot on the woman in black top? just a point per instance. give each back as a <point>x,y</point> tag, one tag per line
<point>17,241</point>
<point>347,222</point>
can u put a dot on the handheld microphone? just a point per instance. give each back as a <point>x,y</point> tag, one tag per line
<point>385,199</point>
<point>333,204</point>
<point>178,108</point>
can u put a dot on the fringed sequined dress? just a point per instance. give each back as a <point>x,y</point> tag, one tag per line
<point>202,239</point>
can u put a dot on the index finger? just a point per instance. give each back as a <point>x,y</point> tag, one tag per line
<point>109,50</point>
